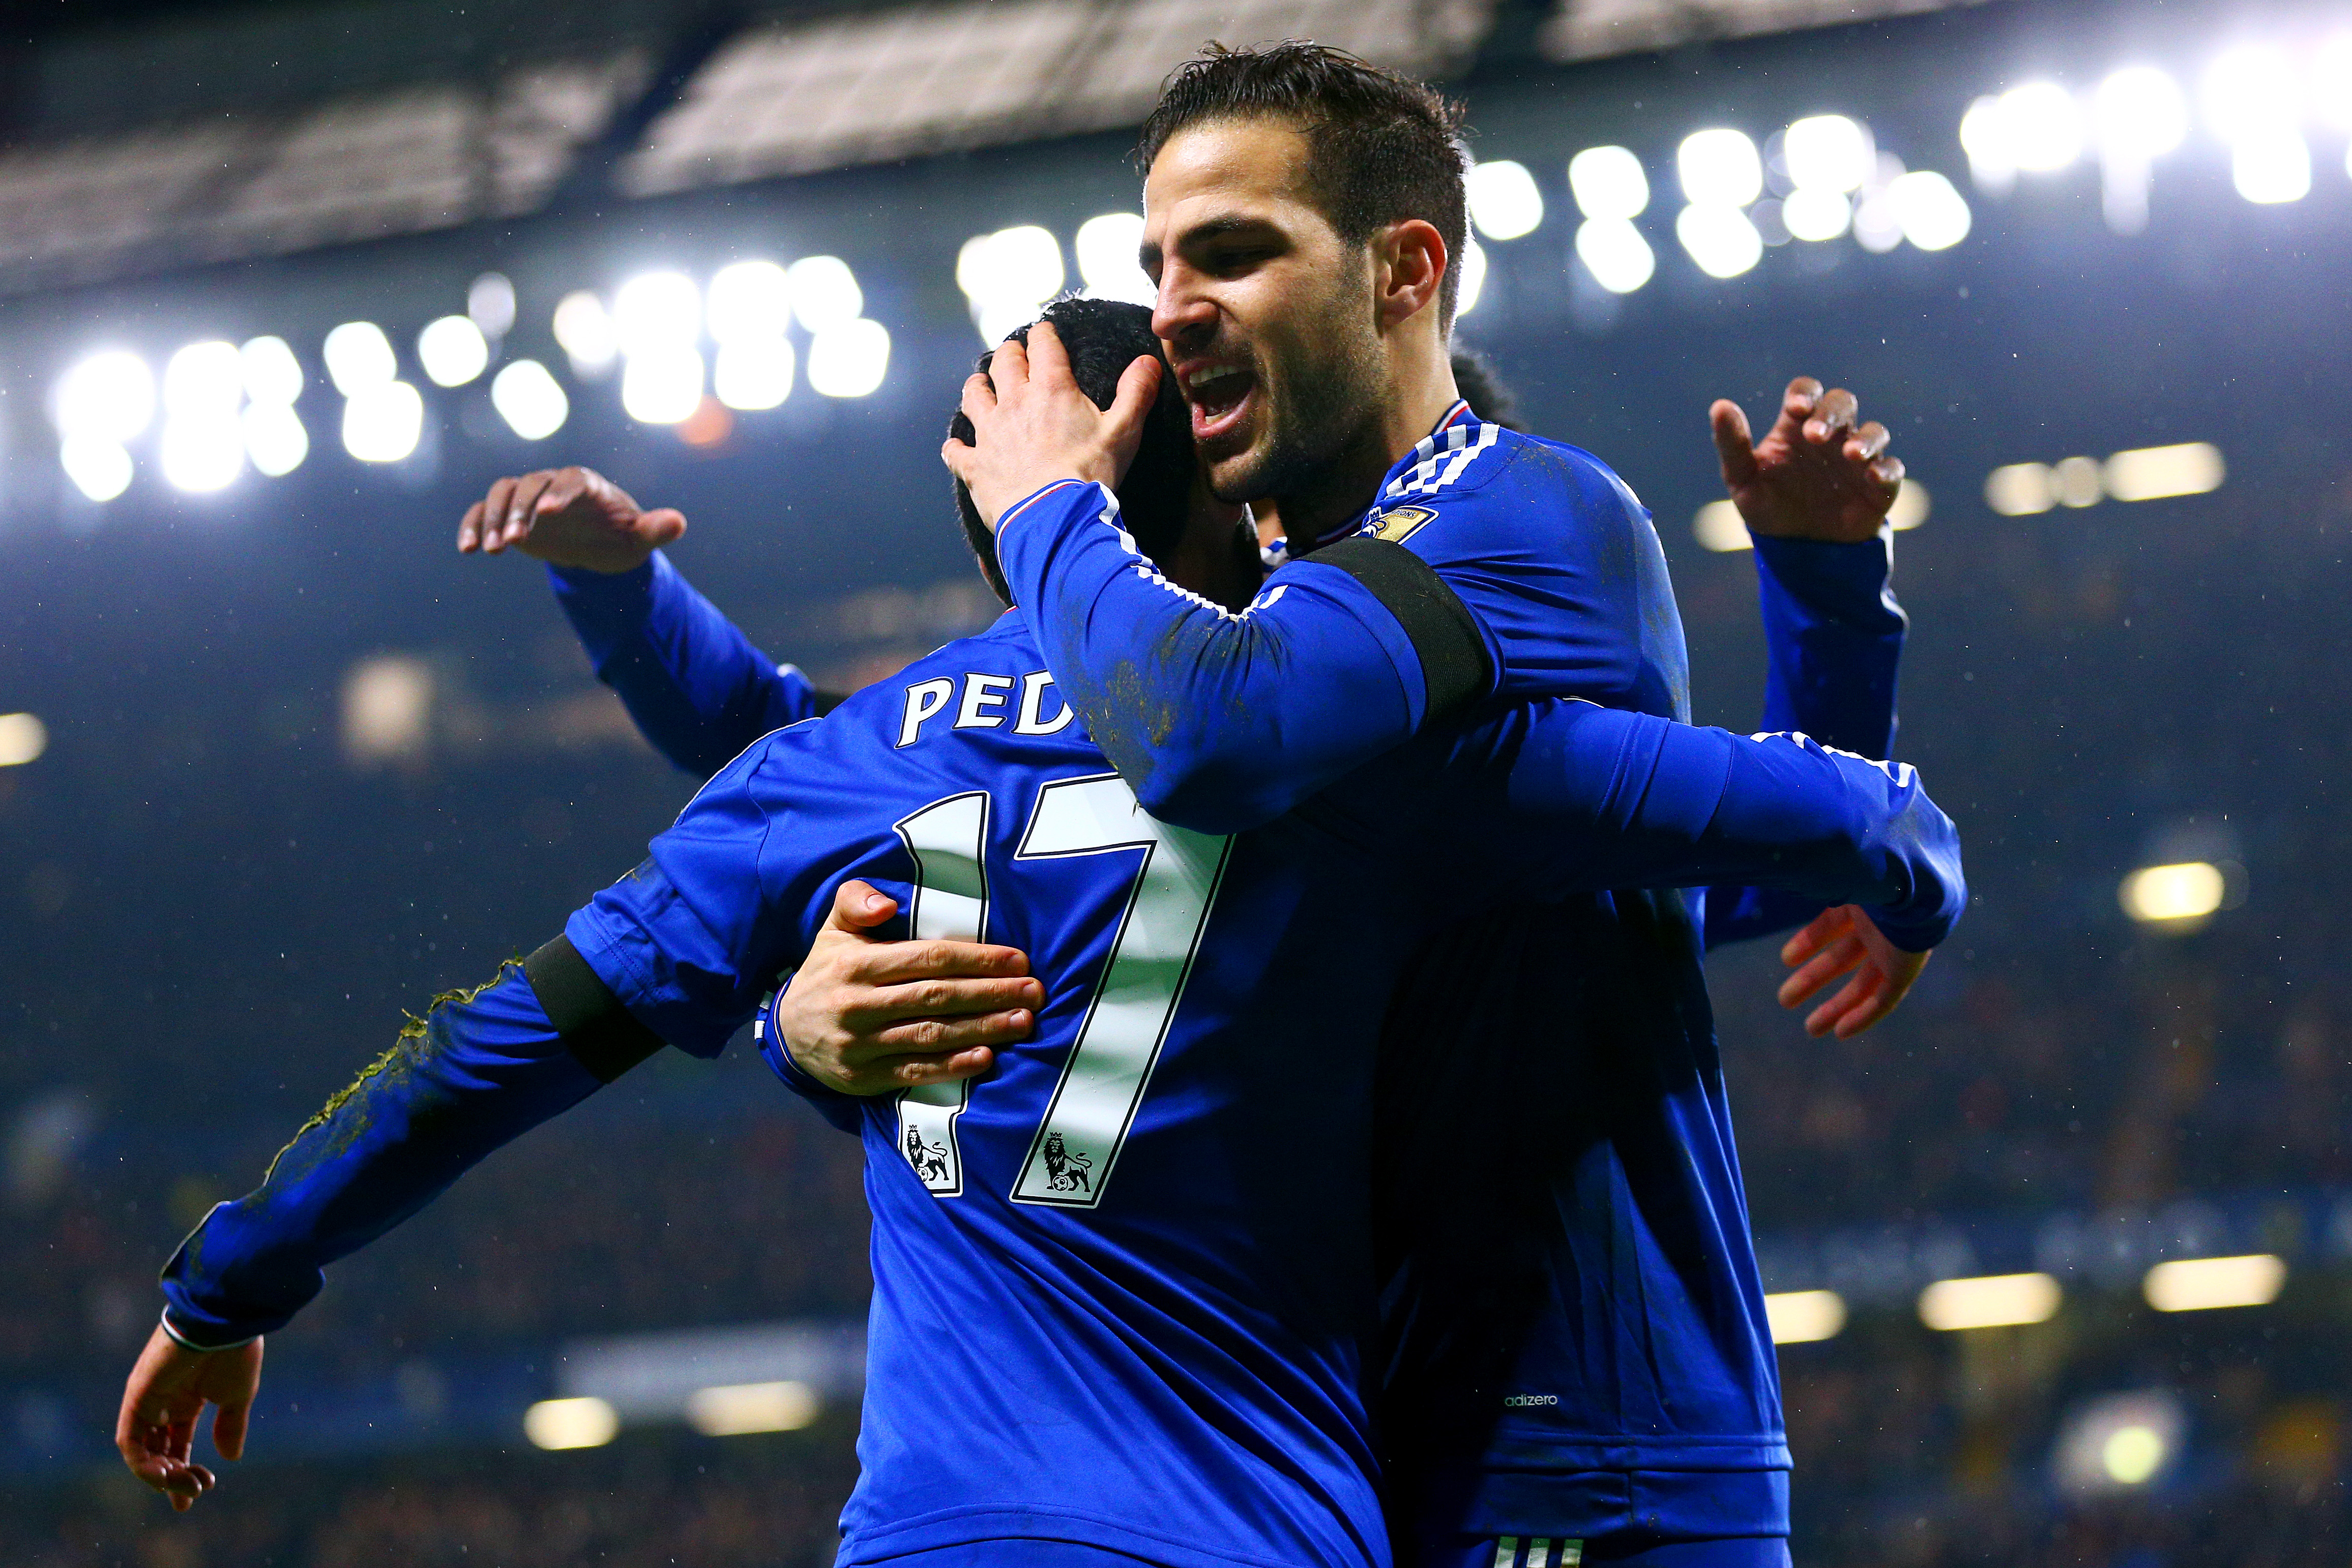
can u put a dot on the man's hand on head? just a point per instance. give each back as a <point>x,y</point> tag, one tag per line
<point>868,1016</point>
<point>1034,426</point>
<point>568,517</point>
<point>1837,942</point>
<point>1818,473</point>
<point>155,1432</point>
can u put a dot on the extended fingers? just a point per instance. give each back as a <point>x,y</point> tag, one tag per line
<point>1735,445</point>
<point>1800,397</point>
<point>944,1068</point>
<point>1845,1014</point>
<point>1008,367</point>
<point>469,530</point>
<point>1835,413</point>
<point>920,1037</point>
<point>1867,443</point>
<point>897,963</point>
<point>1817,934</point>
<point>1824,966</point>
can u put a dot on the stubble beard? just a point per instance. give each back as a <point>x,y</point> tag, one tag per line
<point>1318,405</point>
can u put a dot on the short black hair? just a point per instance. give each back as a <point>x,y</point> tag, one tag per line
<point>1103,337</point>
<point>1490,400</point>
<point>1381,148</point>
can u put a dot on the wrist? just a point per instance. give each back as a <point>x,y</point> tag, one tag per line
<point>182,1337</point>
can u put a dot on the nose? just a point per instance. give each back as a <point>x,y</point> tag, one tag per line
<point>1181,315</point>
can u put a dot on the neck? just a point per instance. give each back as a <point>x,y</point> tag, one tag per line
<point>1419,381</point>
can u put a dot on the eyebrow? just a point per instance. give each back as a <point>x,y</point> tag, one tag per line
<point>1206,229</point>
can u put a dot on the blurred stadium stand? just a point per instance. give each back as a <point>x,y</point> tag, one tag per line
<point>294,766</point>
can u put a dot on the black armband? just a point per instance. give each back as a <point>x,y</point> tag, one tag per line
<point>1455,669</point>
<point>589,1018</point>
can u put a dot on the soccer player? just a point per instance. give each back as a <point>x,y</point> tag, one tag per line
<point>1300,212</point>
<point>1112,1275</point>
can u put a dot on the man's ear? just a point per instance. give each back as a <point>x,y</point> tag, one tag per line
<point>1410,262</point>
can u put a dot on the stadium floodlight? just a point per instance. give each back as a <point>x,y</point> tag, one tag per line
<point>2331,80</point>
<point>1718,526</point>
<point>1608,182</point>
<point>2179,898</point>
<point>530,398</point>
<point>1107,245</point>
<point>204,380</point>
<point>2021,489</point>
<point>2201,1284</point>
<point>1989,1300</point>
<point>1008,276</point>
<point>1505,202</point>
<point>453,350</point>
<point>753,373</point>
<point>2270,164</point>
<point>2251,90</point>
<point>2042,127</point>
<point>1804,1317</point>
<point>1984,137</point>
<point>1930,210</point>
<point>1813,213</point>
<point>383,423</point>
<point>490,304</point>
<point>662,383</point>
<point>850,359</point>
<point>825,292</point>
<point>748,300</point>
<point>108,397</point>
<point>1473,278</point>
<point>1721,239</point>
<point>1616,255</point>
<point>583,330</point>
<point>658,312</point>
<point>1828,152</point>
<point>98,466</point>
<point>359,356</point>
<point>272,374</point>
<point>1911,507</point>
<point>203,452</point>
<point>275,442</point>
<point>2140,109</point>
<point>1720,168</point>
<point>23,738</point>
<point>737,1408</point>
<point>2157,472</point>
<point>584,1423</point>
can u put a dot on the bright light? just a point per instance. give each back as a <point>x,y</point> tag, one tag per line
<point>1828,152</point>
<point>849,360</point>
<point>584,329</point>
<point>2020,489</point>
<point>1616,255</point>
<point>1984,137</point>
<point>387,714</point>
<point>2173,895</point>
<point>1990,1301</point>
<point>2249,90</point>
<point>1718,528</point>
<point>750,299</point>
<point>1107,247</point>
<point>1720,168</point>
<point>1932,214</point>
<point>381,424</point>
<point>736,1408</point>
<point>275,439</point>
<point>2331,81</point>
<point>2042,125</point>
<point>656,312</point>
<point>1504,200</point>
<point>753,373</point>
<point>2154,473</point>
<point>825,292</point>
<point>662,385</point>
<point>1608,182</point>
<point>23,738</point>
<point>2270,164</point>
<point>204,380</point>
<point>359,356</point>
<point>530,400</point>
<point>1813,214</point>
<point>453,350</point>
<point>2141,111</point>
<point>108,397</point>
<point>1008,276</point>
<point>2078,482</point>
<point>2118,1442</point>
<point>2132,1453</point>
<point>2198,1284</point>
<point>1000,318</point>
<point>1473,278</point>
<point>1912,505</point>
<point>204,452</point>
<point>570,1424</point>
<point>272,373</point>
<point>99,467</point>
<point>1802,1317</point>
<point>490,304</point>
<point>1720,239</point>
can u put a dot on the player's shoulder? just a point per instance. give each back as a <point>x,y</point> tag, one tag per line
<point>1476,486</point>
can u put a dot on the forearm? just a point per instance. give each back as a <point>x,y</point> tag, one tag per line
<point>1221,721</point>
<point>477,1071</point>
<point>693,683</point>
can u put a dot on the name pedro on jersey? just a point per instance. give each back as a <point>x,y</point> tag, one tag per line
<point>984,705</point>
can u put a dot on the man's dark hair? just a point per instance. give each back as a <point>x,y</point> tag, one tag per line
<point>1381,148</point>
<point>1483,390</point>
<point>1104,337</point>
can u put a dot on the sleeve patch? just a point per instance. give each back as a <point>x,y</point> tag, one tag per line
<point>1397,524</point>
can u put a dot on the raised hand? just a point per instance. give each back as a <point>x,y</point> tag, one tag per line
<point>568,517</point>
<point>155,1432</point>
<point>869,1017</point>
<point>1817,474</point>
<point>1838,941</point>
<point>1034,426</point>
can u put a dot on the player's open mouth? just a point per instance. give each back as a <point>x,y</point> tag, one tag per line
<point>1219,396</point>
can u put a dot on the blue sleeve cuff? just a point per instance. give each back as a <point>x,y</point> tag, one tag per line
<point>1844,583</point>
